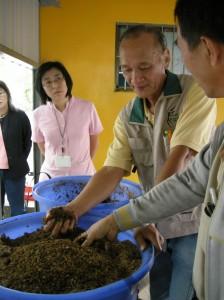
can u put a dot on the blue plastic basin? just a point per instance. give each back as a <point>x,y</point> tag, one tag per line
<point>61,190</point>
<point>125,289</point>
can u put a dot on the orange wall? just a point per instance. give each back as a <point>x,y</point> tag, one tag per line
<point>81,34</point>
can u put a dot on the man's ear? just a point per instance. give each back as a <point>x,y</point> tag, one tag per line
<point>213,50</point>
<point>166,58</point>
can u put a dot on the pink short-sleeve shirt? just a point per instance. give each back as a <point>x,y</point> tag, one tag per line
<point>76,123</point>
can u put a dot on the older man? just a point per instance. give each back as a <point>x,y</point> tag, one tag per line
<point>157,133</point>
<point>201,40</point>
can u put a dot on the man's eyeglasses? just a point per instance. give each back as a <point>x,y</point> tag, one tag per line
<point>49,83</point>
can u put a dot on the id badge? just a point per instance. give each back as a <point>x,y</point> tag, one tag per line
<point>63,161</point>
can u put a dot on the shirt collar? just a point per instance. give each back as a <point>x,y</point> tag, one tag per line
<point>51,104</point>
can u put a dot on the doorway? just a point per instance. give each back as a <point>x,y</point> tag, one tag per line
<point>18,75</point>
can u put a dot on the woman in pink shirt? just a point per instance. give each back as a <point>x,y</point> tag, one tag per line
<point>65,128</point>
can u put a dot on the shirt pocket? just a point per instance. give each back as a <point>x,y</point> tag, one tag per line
<point>141,149</point>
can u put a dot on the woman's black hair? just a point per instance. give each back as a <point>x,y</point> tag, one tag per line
<point>6,89</point>
<point>43,68</point>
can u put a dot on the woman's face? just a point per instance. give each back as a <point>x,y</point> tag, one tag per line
<point>3,100</point>
<point>54,84</point>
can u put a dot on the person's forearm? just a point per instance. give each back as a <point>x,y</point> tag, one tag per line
<point>98,189</point>
<point>93,152</point>
<point>176,162</point>
<point>178,193</point>
<point>41,147</point>
<point>94,143</point>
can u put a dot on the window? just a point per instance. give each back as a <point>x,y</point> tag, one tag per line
<point>176,64</point>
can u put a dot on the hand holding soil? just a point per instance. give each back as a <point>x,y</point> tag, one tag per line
<point>106,227</point>
<point>59,220</point>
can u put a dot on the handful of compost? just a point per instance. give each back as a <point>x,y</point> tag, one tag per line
<point>59,220</point>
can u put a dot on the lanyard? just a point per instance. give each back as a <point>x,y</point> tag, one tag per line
<point>62,132</point>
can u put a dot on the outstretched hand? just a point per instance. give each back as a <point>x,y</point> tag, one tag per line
<point>105,227</point>
<point>60,220</point>
<point>149,233</point>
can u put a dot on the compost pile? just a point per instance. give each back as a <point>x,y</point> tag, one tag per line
<point>38,263</point>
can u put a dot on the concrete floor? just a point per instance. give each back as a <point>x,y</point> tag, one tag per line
<point>144,288</point>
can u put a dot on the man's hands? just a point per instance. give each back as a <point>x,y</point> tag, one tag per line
<point>107,227</point>
<point>60,220</point>
<point>149,233</point>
